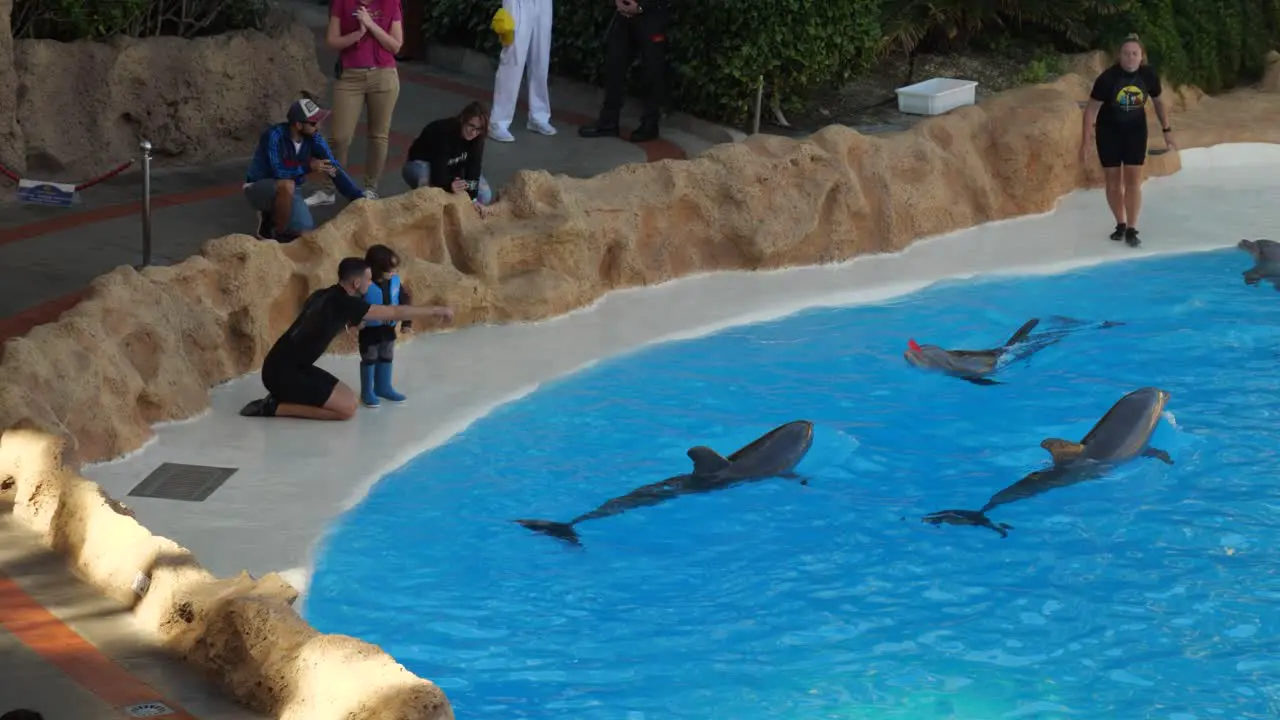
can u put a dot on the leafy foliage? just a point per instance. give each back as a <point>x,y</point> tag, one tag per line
<point>718,51</point>
<point>720,48</point>
<point>1215,45</point>
<point>68,20</point>
<point>953,24</point>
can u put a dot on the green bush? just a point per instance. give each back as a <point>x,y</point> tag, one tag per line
<point>941,25</point>
<point>69,20</point>
<point>719,49</point>
<point>1214,45</point>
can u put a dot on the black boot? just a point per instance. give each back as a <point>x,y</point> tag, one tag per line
<point>647,131</point>
<point>601,128</point>
<point>266,407</point>
<point>1131,237</point>
<point>1118,235</point>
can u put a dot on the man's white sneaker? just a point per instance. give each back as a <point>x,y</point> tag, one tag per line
<point>370,194</point>
<point>321,197</point>
<point>500,134</point>
<point>542,128</point>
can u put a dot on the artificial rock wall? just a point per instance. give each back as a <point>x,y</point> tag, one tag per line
<point>72,111</point>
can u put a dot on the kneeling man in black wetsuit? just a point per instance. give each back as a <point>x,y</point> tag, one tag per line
<point>296,387</point>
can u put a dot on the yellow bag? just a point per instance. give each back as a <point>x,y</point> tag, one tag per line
<point>505,26</point>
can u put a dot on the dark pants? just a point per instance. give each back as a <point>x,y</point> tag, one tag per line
<point>647,34</point>
<point>377,344</point>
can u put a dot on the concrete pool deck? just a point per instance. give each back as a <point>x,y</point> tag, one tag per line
<point>69,652</point>
<point>293,477</point>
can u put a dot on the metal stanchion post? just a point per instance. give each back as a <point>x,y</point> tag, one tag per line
<point>146,202</point>
<point>755,123</point>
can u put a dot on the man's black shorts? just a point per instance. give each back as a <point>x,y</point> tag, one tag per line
<point>1120,145</point>
<point>305,385</point>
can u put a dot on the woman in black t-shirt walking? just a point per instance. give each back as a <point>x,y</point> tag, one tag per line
<point>1118,107</point>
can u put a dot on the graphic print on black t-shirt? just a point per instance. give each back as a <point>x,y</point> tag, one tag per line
<point>1124,95</point>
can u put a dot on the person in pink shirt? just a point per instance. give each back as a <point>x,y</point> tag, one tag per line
<point>367,35</point>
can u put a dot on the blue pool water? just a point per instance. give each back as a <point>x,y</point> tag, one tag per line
<point>1151,593</point>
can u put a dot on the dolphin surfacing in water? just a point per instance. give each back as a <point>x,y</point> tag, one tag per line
<point>976,366</point>
<point>1266,261</point>
<point>1123,434</point>
<point>774,454</point>
<point>971,365</point>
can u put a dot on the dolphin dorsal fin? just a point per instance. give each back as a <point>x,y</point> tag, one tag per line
<point>1022,332</point>
<point>1062,450</point>
<point>706,461</point>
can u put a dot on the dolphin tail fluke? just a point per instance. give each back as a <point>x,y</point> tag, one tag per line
<point>1022,332</point>
<point>563,531</point>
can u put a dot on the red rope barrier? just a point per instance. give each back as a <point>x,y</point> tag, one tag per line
<point>87,184</point>
<point>110,174</point>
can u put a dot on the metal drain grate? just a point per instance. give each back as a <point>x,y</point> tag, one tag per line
<point>151,709</point>
<point>174,481</point>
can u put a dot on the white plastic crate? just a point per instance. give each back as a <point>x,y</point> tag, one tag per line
<point>936,96</point>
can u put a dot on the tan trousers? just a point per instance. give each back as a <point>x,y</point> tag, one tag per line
<point>378,89</point>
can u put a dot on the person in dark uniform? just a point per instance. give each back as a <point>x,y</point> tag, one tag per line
<point>1118,109</point>
<point>295,386</point>
<point>638,25</point>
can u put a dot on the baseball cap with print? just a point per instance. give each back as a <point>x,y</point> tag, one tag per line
<point>306,110</point>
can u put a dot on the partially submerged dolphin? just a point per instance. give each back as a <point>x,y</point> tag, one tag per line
<point>976,366</point>
<point>971,365</point>
<point>1266,261</point>
<point>1123,434</point>
<point>773,454</point>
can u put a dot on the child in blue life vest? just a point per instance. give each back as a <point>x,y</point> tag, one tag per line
<point>378,337</point>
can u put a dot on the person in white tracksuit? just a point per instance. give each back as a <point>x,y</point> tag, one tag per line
<point>531,48</point>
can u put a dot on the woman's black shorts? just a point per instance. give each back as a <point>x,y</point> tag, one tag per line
<point>1119,145</point>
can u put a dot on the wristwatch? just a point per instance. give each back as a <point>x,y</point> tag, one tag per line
<point>1166,129</point>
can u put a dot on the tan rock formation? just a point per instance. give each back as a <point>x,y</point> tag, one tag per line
<point>84,106</point>
<point>558,243</point>
<point>242,631</point>
<point>119,361</point>
<point>11,143</point>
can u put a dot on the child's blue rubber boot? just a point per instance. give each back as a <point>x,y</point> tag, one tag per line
<point>382,386</point>
<point>367,396</point>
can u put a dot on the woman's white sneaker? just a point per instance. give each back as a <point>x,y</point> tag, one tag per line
<point>542,128</point>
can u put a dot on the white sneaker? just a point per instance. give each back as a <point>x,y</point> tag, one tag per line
<point>321,197</point>
<point>500,134</point>
<point>370,194</point>
<point>542,128</point>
